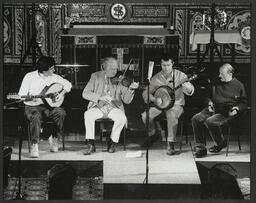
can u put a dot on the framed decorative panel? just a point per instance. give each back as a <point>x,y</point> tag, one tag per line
<point>7,30</point>
<point>237,19</point>
<point>150,11</point>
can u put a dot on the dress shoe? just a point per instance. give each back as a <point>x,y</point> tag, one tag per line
<point>34,153</point>
<point>91,149</point>
<point>54,146</point>
<point>218,148</point>
<point>112,148</point>
<point>170,148</point>
<point>151,140</point>
<point>200,151</point>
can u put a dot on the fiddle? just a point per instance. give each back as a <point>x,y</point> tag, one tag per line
<point>123,79</point>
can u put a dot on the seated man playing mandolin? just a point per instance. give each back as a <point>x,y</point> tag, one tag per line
<point>43,92</point>
<point>106,102</point>
<point>228,99</point>
<point>167,77</point>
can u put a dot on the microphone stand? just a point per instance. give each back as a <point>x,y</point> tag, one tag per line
<point>34,46</point>
<point>19,195</point>
<point>147,124</point>
<point>147,149</point>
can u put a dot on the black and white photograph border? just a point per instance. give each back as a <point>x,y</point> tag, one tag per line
<point>154,155</point>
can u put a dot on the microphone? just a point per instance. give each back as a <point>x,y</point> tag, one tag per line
<point>150,69</point>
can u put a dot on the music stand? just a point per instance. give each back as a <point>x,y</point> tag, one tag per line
<point>19,194</point>
<point>212,46</point>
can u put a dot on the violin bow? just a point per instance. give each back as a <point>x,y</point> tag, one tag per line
<point>129,64</point>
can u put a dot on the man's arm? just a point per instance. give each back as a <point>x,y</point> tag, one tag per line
<point>242,101</point>
<point>187,87</point>
<point>66,84</point>
<point>88,92</point>
<point>24,88</point>
<point>152,88</point>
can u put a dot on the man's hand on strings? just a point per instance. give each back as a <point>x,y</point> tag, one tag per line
<point>134,85</point>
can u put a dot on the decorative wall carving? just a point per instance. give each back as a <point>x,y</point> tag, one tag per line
<point>41,31</point>
<point>242,21</point>
<point>80,40</point>
<point>19,20</point>
<point>150,11</point>
<point>159,40</point>
<point>118,11</point>
<point>85,12</point>
<point>179,25</point>
<point>7,30</point>
<point>55,43</point>
<point>50,18</point>
<point>237,18</point>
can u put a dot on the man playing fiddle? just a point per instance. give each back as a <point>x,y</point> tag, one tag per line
<point>228,100</point>
<point>106,102</point>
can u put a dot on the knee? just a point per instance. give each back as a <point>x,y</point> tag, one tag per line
<point>172,116</point>
<point>36,117</point>
<point>121,119</point>
<point>87,115</point>
<point>143,117</point>
<point>195,118</point>
<point>61,112</point>
<point>208,122</point>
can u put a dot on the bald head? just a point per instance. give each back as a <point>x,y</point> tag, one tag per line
<point>226,72</point>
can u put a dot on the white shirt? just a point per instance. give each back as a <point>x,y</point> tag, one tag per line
<point>33,83</point>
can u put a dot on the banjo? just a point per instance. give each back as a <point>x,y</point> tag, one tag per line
<point>48,95</point>
<point>167,94</point>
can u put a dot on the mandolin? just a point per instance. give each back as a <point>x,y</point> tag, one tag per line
<point>48,95</point>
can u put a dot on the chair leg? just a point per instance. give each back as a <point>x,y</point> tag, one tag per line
<point>229,131</point>
<point>101,139</point>
<point>29,142</point>
<point>181,135</point>
<point>124,138</point>
<point>63,142</point>
<point>238,139</point>
<point>186,132</point>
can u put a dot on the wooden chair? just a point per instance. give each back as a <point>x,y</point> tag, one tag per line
<point>106,129</point>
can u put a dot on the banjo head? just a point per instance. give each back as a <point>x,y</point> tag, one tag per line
<point>167,95</point>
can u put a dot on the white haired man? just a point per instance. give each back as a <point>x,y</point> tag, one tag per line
<point>106,101</point>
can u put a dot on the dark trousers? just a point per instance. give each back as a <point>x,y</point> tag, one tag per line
<point>35,114</point>
<point>213,122</point>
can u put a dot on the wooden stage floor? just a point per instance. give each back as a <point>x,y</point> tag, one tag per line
<point>119,169</point>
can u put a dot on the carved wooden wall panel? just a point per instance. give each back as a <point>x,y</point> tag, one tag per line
<point>50,18</point>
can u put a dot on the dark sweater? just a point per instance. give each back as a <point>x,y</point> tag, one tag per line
<point>225,95</point>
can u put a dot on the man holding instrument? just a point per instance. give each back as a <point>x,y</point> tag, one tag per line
<point>106,102</point>
<point>228,99</point>
<point>171,78</point>
<point>32,87</point>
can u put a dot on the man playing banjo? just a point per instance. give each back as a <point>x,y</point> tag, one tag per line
<point>36,106</point>
<point>170,78</point>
